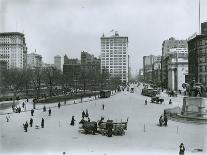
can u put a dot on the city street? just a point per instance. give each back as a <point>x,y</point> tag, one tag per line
<point>143,135</point>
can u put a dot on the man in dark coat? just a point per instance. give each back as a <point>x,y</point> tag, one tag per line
<point>32,112</point>
<point>146,102</point>
<point>25,126</point>
<point>165,120</point>
<point>161,120</point>
<point>44,108</point>
<point>59,105</point>
<point>42,123</point>
<point>182,149</point>
<point>170,102</point>
<point>83,114</point>
<point>31,122</point>
<point>49,112</point>
<point>72,121</point>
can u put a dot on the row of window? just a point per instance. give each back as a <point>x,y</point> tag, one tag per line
<point>203,68</point>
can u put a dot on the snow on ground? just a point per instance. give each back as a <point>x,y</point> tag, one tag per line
<point>58,136</point>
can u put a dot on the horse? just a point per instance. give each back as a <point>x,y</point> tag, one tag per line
<point>89,127</point>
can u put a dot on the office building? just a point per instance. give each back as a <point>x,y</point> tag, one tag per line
<point>57,62</point>
<point>197,47</point>
<point>148,67</point>
<point>13,49</point>
<point>114,56</point>
<point>34,60</point>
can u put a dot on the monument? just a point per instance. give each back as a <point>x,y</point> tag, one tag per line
<point>194,105</point>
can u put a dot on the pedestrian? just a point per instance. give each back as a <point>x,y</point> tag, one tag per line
<point>7,118</point>
<point>27,100</point>
<point>32,112</point>
<point>83,114</point>
<point>89,119</point>
<point>161,120</point>
<point>165,120</point>
<point>44,108</point>
<point>102,106</point>
<point>72,121</point>
<point>25,126</point>
<point>59,105</point>
<point>182,149</point>
<point>170,102</point>
<point>31,122</point>
<point>146,102</point>
<point>87,115</point>
<point>23,105</point>
<point>49,112</point>
<point>42,123</point>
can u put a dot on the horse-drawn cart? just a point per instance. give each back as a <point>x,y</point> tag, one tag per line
<point>156,100</point>
<point>107,128</point>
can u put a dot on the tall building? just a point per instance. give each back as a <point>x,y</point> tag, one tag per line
<point>177,68</point>
<point>13,49</point>
<point>156,72</point>
<point>197,58</point>
<point>57,62</point>
<point>166,46</point>
<point>148,67</point>
<point>114,56</point>
<point>34,60</point>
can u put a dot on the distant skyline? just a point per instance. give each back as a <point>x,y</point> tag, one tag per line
<point>59,27</point>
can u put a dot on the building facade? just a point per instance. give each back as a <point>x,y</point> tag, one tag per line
<point>156,73</point>
<point>90,63</point>
<point>34,60</point>
<point>13,49</point>
<point>177,68</point>
<point>71,68</point>
<point>197,59</point>
<point>57,62</point>
<point>114,56</point>
<point>166,46</point>
<point>148,68</point>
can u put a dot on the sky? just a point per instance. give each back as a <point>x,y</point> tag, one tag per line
<point>59,27</point>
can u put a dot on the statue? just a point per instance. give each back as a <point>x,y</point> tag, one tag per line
<point>194,90</point>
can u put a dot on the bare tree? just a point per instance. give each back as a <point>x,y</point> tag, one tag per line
<point>51,77</point>
<point>14,80</point>
<point>37,78</point>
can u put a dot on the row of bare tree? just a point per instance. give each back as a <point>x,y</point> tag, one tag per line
<point>52,81</point>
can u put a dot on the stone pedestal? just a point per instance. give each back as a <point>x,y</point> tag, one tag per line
<point>194,107</point>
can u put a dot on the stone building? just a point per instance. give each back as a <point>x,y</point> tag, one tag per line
<point>197,47</point>
<point>166,46</point>
<point>34,60</point>
<point>114,56</point>
<point>177,68</point>
<point>13,49</point>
